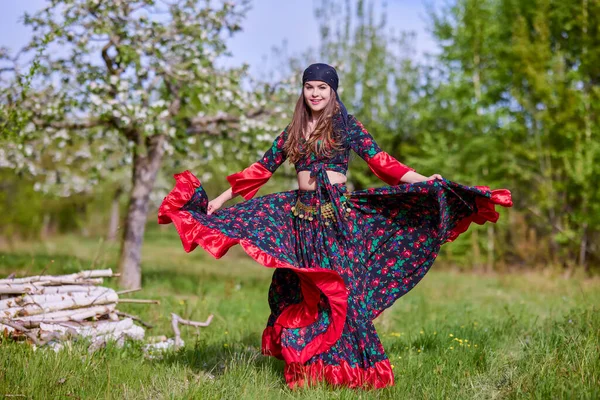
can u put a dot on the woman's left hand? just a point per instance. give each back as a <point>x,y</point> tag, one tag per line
<point>435,176</point>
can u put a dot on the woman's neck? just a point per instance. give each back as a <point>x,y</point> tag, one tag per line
<point>314,115</point>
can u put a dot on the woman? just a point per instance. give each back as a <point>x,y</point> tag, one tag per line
<point>340,257</point>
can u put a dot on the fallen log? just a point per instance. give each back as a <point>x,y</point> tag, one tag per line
<point>66,289</point>
<point>37,287</point>
<point>51,298</point>
<point>66,315</point>
<point>83,275</point>
<point>69,303</point>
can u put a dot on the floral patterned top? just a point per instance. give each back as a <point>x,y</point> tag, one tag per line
<point>356,138</point>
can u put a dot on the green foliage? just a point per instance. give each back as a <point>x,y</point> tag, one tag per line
<point>517,107</point>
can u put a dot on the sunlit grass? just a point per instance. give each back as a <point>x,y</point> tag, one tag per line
<point>453,336</point>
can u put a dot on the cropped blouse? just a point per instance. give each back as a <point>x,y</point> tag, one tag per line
<point>247,182</point>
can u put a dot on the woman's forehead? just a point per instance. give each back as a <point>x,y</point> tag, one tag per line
<point>316,83</point>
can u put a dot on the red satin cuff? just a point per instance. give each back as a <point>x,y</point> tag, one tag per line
<point>247,182</point>
<point>387,168</point>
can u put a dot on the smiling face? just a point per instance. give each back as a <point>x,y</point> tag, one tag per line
<point>316,94</point>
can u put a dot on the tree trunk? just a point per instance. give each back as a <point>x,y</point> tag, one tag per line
<point>145,168</point>
<point>476,252</point>
<point>113,226</point>
<point>490,248</point>
<point>583,248</point>
<point>45,231</point>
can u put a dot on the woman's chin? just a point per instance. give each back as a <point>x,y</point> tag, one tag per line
<point>316,109</point>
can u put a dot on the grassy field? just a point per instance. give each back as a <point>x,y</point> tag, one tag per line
<point>454,336</point>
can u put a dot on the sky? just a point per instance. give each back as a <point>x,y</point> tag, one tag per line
<point>269,23</point>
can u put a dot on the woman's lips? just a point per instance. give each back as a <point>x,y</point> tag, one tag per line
<point>315,101</point>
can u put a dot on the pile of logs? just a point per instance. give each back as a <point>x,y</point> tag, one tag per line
<point>49,309</point>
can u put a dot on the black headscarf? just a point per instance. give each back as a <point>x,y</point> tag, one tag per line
<point>328,74</point>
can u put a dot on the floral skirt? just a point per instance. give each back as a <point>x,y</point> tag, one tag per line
<point>340,259</point>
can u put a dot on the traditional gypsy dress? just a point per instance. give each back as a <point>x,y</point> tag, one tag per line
<point>340,257</point>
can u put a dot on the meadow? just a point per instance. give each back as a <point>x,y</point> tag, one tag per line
<point>455,336</point>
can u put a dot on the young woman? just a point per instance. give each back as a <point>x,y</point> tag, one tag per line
<point>340,257</point>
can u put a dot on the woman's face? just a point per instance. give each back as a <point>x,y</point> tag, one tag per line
<point>316,94</point>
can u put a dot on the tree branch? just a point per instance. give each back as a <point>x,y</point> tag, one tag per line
<point>93,123</point>
<point>113,41</point>
<point>208,125</point>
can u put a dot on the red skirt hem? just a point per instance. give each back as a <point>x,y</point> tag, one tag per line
<point>486,210</point>
<point>376,377</point>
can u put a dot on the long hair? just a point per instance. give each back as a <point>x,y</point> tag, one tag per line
<point>323,141</point>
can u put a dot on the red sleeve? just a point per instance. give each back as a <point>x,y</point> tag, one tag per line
<point>247,182</point>
<point>387,168</point>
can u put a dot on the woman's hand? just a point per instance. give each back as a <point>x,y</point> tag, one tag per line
<point>214,205</point>
<point>414,177</point>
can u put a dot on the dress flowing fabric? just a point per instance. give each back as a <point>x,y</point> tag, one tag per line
<point>337,269</point>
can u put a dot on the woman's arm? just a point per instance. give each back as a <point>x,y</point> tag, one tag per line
<point>413,177</point>
<point>382,164</point>
<point>247,182</point>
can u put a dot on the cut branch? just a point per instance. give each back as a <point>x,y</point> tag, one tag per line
<point>139,301</point>
<point>138,319</point>
<point>176,320</point>
<point>21,328</point>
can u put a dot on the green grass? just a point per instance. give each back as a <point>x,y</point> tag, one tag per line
<point>523,335</point>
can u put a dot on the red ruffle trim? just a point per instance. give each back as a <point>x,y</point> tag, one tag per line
<point>387,168</point>
<point>247,182</point>
<point>486,210</point>
<point>376,377</point>
<point>312,280</point>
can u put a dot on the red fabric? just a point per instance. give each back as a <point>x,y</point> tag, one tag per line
<point>486,210</point>
<point>302,314</point>
<point>387,168</point>
<point>311,279</point>
<point>378,376</point>
<point>247,182</point>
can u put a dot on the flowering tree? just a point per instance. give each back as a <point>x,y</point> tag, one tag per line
<point>128,81</point>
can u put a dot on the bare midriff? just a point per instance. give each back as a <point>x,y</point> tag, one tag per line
<point>305,182</point>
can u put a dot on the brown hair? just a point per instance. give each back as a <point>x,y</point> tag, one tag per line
<point>322,142</point>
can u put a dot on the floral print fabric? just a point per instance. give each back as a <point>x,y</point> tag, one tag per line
<point>331,281</point>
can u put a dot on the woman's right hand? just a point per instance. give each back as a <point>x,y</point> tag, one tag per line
<point>214,205</point>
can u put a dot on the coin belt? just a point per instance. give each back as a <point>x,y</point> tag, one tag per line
<point>304,211</point>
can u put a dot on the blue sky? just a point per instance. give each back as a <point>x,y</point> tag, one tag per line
<point>269,23</point>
